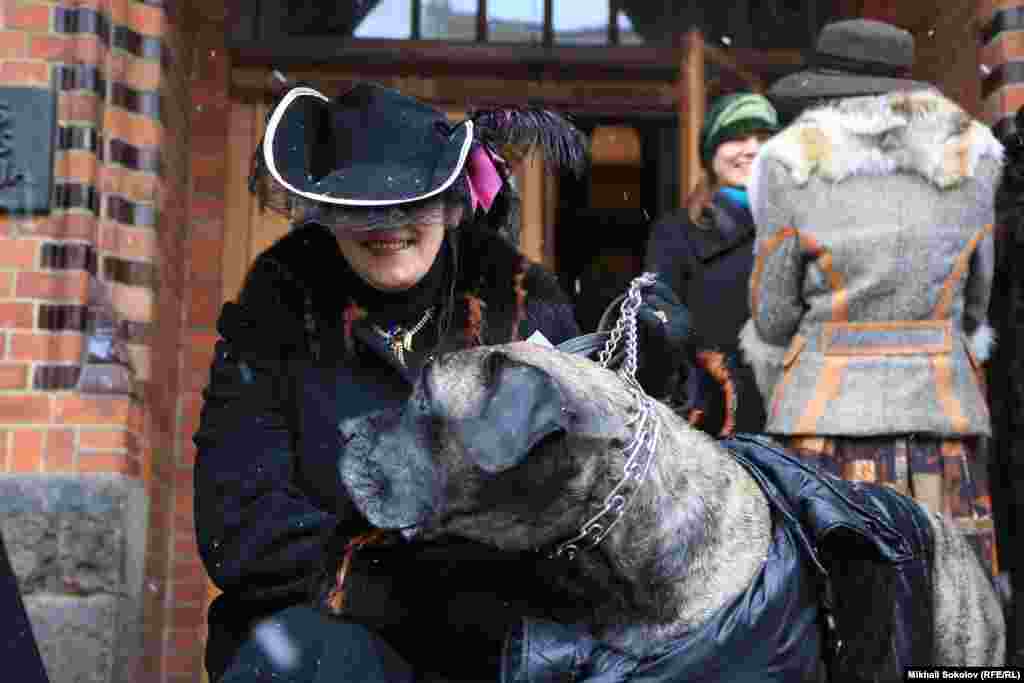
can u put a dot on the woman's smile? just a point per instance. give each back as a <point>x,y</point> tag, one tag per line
<point>393,259</point>
<point>385,242</point>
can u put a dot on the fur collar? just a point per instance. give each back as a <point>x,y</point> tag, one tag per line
<point>915,132</point>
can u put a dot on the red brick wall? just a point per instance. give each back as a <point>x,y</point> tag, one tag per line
<point>209,74</point>
<point>945,33</point>
<point>119,219</point>
<point>1001,32</point>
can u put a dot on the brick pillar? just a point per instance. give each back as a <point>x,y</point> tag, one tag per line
<point>1001,24</point>
<point>208,113</point>
<point>115,231</point>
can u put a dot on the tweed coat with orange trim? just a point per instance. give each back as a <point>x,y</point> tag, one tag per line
<point>873,268</point>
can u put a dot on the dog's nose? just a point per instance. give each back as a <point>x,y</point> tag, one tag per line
<point>409,533</point>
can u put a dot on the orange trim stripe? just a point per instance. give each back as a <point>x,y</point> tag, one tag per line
<point>963,262</point>
<point>943,373</point>
<point>840,303</point>
<point>827,389</point>
<point>769,245</point>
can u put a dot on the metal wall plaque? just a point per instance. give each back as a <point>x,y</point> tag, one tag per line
<point>28,117</point>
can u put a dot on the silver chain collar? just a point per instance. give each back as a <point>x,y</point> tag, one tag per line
<point>641,448</point>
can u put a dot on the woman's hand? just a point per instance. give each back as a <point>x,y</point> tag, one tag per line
<point>663,327</point>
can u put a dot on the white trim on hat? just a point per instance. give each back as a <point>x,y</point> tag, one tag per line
<point>268,158</point>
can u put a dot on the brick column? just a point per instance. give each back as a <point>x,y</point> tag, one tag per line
<point>114,233</point>
<point>1001,24</point>
<point>206,157</point>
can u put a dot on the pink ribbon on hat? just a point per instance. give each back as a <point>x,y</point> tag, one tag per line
<point>484,180</point>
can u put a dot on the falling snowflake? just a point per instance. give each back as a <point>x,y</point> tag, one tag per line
<point>272,637</point>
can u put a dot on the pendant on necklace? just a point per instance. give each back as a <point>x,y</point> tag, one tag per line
<point>401,341</point>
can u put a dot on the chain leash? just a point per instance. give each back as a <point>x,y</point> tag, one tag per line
<point>641,448</point>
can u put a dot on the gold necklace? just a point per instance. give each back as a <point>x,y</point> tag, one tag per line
<point>399,339</point>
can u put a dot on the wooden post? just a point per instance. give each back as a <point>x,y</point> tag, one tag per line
<point>530,177</point>
<point>692,94</point>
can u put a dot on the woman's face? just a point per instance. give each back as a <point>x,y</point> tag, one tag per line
<point>393,259</point>
<point>733,158</point>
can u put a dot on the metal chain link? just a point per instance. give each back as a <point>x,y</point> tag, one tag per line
<point>641,448</point>
<point>626,324</point>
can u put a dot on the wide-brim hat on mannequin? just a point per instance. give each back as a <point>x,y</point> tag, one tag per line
<point>851,58</point>
<point>375,148</point>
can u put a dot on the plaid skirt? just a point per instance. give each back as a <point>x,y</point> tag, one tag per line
<point>948,475</point>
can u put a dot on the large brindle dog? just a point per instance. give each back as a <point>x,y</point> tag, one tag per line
<point>518,446</point>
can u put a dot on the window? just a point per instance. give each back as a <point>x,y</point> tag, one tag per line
<point>448,19</point>
<point>536,22</point>
<point>314,26</point>
<point>516,21</point>
<point>581,23</point>
<point>388,19</point>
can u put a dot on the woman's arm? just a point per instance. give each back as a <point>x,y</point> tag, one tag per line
<point>258,535</point>
<point>669,252</point>
<point>548,308</point>
<point>978,288</point>
<point>776,304</point>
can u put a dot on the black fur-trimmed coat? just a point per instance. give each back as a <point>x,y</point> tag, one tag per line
<point>1006,378</point>
<point>272,520</point>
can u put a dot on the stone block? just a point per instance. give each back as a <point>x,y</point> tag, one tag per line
<point>77,636</point>
<point>77,545</point>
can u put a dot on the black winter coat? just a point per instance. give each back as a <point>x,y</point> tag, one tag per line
<point>708,266</point>
<point>271,514</point>
<point>772,632</point>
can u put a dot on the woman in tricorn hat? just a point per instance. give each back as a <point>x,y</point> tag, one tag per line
<point>873,269</point>
<point>395,257</point>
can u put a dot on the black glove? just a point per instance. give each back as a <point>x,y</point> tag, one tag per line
<point>663,331</point>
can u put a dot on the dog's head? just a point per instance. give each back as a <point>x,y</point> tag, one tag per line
<point>496,444</point>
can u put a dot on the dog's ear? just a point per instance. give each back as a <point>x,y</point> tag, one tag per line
<point>522,405</point>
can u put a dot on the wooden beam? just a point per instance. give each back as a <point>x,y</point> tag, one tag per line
<point>654,98</point>
<point>420,58</point>
<point>692,95</point>
<point>550,216</point>
<point>532,215</point>
<point>243,136</point>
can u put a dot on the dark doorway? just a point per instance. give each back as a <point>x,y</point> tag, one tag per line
<point>603,218</point>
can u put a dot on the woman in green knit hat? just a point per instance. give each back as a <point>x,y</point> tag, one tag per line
<point>705,251</point>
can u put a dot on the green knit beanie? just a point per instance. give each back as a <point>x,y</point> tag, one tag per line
<point>735,116</point>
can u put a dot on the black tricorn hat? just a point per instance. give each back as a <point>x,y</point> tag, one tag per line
<point>851,58</point>
<point>372,146</point>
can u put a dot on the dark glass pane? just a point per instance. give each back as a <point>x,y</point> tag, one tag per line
<point>658,21</point>
<point>387,19</point>
<point>448,19</point>
<point>627,33</point>
<point>581,23</point>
